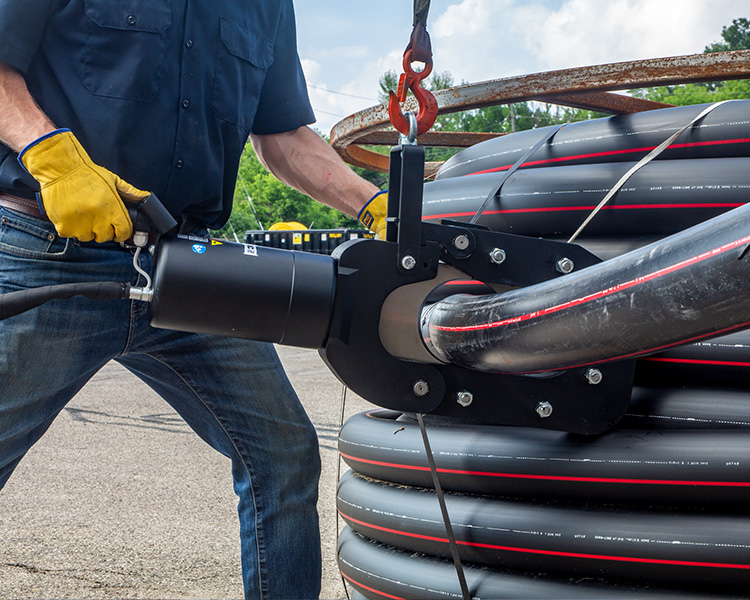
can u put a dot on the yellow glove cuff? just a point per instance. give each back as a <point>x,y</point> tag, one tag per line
<point>373,214</point>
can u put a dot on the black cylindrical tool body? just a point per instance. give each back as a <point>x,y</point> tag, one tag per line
<point>244,291</point>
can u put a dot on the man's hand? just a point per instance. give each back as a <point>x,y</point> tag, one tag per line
<point>373,214</point>
<point>82,199</point>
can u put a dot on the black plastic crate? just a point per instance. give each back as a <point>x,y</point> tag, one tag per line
<point>319,241</point>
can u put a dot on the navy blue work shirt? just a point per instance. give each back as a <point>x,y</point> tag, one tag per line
<point>164,93</point>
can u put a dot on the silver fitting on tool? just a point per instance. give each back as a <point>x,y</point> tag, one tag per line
<point>143,294</point>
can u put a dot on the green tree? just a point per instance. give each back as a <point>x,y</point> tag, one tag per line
<point>260,200</point>
<point>736,37</point>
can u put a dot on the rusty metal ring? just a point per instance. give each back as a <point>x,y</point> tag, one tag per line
<point>588,88</point>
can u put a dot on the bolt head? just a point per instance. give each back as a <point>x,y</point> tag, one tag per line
<point>421,388</point>
<point>594,376</point>
<point>544,409</point>
<point>408,262</point>
<point>465,398</point>
<point>497,256</point>
<point>461,242</point>
<point>565,266</point>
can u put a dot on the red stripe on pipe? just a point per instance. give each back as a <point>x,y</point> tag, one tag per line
<point>633,559</point>
<point>369,589</point>
<point>544,209</point>
<point>603,293</point>
<point>693,361</point>
<point>612,153</point>
<point>555,477</point>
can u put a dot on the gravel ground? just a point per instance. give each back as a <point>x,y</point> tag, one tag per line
<point>121,500</point>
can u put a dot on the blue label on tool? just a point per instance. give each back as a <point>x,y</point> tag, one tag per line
<point>199,248</point>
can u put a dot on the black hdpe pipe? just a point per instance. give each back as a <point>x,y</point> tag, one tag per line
<point>677,290</point>
<point>681,466</point>
<point>583,540</point>
<point>378,571</point>
<point>662,198</point>
<point>722,133</point>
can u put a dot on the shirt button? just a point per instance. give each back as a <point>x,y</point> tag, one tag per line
<point>189,44</point>
<point>185,103</point>
<point>179,164</point>
<point>131,20</point>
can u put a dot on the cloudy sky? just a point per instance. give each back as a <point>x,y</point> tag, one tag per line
<point>346,45</point>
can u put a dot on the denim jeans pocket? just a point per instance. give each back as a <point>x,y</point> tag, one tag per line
<point>26,236</point>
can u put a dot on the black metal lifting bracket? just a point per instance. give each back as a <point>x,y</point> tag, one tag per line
<point>586,400</point>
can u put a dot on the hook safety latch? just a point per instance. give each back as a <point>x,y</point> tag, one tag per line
<point>410,79</point>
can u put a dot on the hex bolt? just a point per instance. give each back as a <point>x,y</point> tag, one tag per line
<point>465,398</point>
<point>594,376</point>
<point>565,266</point>
<point>408,263</point>
<point>421,388</point>
<point>544,409</point>
<point>461,242</point>
<point>497,256</point>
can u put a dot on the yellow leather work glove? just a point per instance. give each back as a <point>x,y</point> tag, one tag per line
<point>373,214</point>
<point>82,199</point>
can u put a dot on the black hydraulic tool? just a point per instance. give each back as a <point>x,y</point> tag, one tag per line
<point>149,218</point>
<point>372,319</point>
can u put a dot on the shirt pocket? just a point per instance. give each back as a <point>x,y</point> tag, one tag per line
<point>243,57</point>
<point>125,47</point>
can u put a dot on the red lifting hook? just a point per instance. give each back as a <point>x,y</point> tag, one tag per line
<point>428,108</point>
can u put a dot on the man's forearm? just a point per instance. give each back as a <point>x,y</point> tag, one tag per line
<point>21,120</point>
<point>304,161</point>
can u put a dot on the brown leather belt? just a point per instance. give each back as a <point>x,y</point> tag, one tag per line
<point>30,207</point>
<point>26,206</point>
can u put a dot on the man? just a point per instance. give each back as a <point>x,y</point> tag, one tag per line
<point>102,101</point>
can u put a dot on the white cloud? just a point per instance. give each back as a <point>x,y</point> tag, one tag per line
<point>584,32</point>
<point>477,40</point>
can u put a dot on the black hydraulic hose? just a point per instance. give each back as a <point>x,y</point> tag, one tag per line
<point>681,289</point>
<point>590,540</point>
<point>15,303</point>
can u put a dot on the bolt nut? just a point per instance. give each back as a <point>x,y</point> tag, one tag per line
<point>421,388</point>
<point>497,256</point>
<point>565,266</point>
<point>465,398</point>
<point>461,242</point>
<point>408,263</point>
<point>594,376</point>
<point>544,409</point>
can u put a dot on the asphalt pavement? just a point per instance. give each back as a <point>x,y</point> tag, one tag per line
<point>120,499</point>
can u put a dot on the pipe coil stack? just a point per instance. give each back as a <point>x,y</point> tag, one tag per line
<point>658,506</point>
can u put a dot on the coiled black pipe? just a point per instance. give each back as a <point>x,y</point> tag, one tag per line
<point>378,571</point>
<point>723,132</point>
<point>722,361</point>
<point>680,466</point>
<point>678,290</point>
<point>660,199</point>
<point>583,540</point>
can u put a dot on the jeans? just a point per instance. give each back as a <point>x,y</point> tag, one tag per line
<point>232,393</point>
